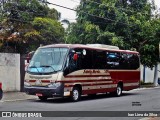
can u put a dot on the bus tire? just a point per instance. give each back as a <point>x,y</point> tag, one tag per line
<point>42,98</point>
<point>118,91</point>
<point>76,94</point>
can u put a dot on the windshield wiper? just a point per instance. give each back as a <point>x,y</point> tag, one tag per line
<point>48,66</point>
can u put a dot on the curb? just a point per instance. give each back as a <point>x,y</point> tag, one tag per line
<point>147,88</point>
<point>18,100</point>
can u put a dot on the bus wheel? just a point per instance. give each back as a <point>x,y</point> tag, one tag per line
<point>75,96</point>
<point>118,91</point>
<point>42,98</point>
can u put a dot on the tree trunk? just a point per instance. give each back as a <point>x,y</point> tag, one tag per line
<point>156,75</point>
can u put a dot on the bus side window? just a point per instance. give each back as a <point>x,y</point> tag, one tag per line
<point>99,59</point>
<point>72,63</point>
<point>129,61</point>
<point>133,61</point>
<point>124,61</point>
<point>87,60</point>
<point>84,60</point>
<point>113,60</point>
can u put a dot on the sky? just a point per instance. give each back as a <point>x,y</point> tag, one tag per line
<point>71,15</point>
<point>65,13</point>
<point>157,2</point>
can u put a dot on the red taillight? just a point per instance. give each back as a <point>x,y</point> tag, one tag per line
<point>0,85</point>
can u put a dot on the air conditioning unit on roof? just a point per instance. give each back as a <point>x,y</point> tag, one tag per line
<point>103,46</point>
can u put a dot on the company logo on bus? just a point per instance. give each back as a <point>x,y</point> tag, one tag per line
<point>91,71</point>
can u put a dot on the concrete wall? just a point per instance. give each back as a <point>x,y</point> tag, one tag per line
<point>149,74</point>
<point>10,71</point>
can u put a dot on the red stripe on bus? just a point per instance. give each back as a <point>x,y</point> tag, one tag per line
<point>45,81</point>
<point>97,84</point>
<point>91,84</point>
<point>103,90</point>
<point>32,80</point>
<point>74,81</point>
<point>75,76</point>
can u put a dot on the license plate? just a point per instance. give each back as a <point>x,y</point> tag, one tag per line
<point>39,94</point>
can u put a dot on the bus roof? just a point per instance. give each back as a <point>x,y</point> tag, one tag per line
<point>91,46</point>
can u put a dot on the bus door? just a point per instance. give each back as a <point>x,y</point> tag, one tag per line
<point>99,65</point>
<point>80,67</point>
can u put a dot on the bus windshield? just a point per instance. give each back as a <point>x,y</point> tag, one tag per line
<point>47,60</point>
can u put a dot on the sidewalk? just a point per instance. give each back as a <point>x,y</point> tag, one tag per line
<point>15,96</point>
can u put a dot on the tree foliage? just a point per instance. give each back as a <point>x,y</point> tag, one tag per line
<point>25,24</point>
<point>129,24</point>
<point>44,31</point>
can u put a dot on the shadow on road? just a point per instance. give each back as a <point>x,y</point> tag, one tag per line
<point>84,98</point>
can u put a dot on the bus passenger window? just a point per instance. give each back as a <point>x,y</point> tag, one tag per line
<point>99,59</point>
<point>87,60</point>
<point>133,61</point>
<point>75,65</point>
<point>124,63</point>
<point>113,60</point>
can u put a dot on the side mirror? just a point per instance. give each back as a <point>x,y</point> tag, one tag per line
<point>75,57</point>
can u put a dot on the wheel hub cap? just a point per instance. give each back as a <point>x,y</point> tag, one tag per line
<point>75,94</point>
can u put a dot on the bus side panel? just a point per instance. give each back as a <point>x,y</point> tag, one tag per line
<point>129,78</point>
<point>94,91</point>
<point>92,81</point>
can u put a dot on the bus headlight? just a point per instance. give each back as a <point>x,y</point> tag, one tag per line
<point>27,84</point>
<point>54,85</point>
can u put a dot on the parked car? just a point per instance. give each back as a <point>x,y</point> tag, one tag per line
<point>1,92</point>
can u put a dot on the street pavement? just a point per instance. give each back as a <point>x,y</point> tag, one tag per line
<point>17,96</point>
<point>148,98</point>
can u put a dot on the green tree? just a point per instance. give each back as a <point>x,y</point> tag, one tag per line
<point>18,22</point>
<point>106,18</point>
<point>44,31</point>
<point>129,24</point>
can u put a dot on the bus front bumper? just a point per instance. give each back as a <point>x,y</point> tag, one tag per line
<point>45,91</point>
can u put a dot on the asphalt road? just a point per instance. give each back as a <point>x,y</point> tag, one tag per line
<point>135,100</point>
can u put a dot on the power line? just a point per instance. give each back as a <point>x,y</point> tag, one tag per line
<point>108,19</point>
<point>61,6</point>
